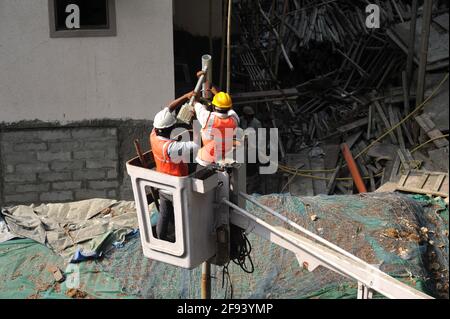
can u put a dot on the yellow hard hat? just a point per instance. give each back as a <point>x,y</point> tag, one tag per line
<point>222,100</point>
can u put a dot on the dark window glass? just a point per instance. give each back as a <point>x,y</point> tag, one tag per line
<point>93,13</point>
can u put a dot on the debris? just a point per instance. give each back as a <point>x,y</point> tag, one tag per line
<point>404,253</point>
<point>391,233</point>
<point>430,129</point>
<point>56,272</point>
<point>76,293</point>
<point>363,94</point>
<point>314,218</point>
<point>435,266</point>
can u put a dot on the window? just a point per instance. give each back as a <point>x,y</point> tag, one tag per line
<point>82,18</point>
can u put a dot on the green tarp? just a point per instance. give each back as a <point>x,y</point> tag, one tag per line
<point>357,223</point>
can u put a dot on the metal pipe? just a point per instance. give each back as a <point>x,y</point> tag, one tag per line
<point>206,281</point>
<point>411,42</point>
<point>353,168</point>
<point>230,5</point>
<point>207,64</point>
<point>222,48</point>
<point>424,37</point>
<point>206,266</point>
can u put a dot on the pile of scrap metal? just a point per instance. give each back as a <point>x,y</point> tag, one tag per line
<point>318,73</point>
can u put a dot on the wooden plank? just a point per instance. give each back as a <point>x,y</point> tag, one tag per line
<point>438,183</point>
<point>431,130</point>
<point>406,131</point>
<point>424,182</point>
<point>332,182</point>
<point>369,125</point>
<point>353,125</point>
<point>403,179</point>
<point>395,168</point>
<point>350,141</point>
<point>405,163</point>
<point>385,121</point>
<point>422,191</point>
<point>394,120</point>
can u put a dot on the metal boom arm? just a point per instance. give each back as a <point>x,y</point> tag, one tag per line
<point>311,254</point>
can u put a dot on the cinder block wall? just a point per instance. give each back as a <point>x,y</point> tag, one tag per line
<point>45,165</point>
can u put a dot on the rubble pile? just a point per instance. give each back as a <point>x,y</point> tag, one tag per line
<point>322,77</point>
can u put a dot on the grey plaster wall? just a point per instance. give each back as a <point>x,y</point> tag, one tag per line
<point>130,75</point>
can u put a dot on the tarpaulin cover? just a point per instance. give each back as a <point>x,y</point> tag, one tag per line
<point>76,229</point>
<point>407,236</point>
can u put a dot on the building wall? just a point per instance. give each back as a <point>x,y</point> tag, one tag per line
<point>62,164</point>
<point>72,79</point>
<point>70,108</point>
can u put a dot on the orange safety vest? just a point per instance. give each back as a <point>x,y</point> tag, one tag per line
<point>164,164</point>
<point>211,137</point>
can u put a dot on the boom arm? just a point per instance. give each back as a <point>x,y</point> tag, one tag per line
<point>311,254</point>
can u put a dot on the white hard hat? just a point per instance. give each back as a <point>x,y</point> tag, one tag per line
<point>164,119</point>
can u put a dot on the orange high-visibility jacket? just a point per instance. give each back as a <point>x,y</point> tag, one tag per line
<point>211,136</point>
<point>164,164</point>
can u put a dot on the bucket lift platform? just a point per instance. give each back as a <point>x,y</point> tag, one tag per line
<point>201,220</point>
<point>207,202</point>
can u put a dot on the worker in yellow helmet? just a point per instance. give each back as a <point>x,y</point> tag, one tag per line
<point>217,127</point>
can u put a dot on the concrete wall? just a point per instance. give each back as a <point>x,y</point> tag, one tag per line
<point>59,165</point>
<point>73,79</point>
<point>63,164</point>
<point>193,16</point>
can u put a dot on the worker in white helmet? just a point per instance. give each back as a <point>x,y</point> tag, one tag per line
<point>171,157</point>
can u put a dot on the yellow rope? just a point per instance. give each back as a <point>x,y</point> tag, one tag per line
<point>322,178</point>
<point>404,119</point>
<point>429,141</point>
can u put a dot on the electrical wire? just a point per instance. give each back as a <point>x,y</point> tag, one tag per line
<point>243,260</point>
<point>226,274</point>
<point>244,255</point>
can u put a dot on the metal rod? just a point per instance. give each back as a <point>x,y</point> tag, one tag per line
<point>426,21</point>
<point>277,36</point>
<point>207,64</point>
<point>230,4</point>
<point>411,42</point>
<point>206,266</point>
<point>222,49</point>
<point>210,27</point>
<point>206,280</point>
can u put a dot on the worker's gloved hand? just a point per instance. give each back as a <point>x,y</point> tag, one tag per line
<point>200,73</point>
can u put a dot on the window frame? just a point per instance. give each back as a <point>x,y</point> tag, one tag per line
<point>76,33</point>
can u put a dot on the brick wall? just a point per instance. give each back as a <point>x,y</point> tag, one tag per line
<point>59,165</point>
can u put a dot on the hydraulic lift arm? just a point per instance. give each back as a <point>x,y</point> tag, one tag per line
<point>312,254</point>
